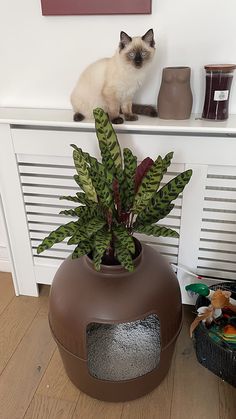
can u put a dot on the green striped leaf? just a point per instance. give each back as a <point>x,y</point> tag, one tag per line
<point>83,178</point>
<point>83,212</point>
<point>82,249</point>
<point>128,185</point>
<point>166,162</point>
<point>57,236</point>
<point>124,237</point>
<point>70,198</point>
<point>78,236</point>
<point>102,240</point>
<point>108,143</point>
<point>154,230</point>
<point>69,212</point>
<point>171,190</point>
<point>94,225</point>
<point>124,257</point>
<point>80,198</point>
<point>149,185</point>
<point>102,183</point>
<point>153,215</point>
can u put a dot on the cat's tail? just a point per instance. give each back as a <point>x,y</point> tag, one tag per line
<point>148,110</point>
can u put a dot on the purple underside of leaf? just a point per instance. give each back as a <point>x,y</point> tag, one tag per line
<point>116,191</point>
<point>141,171</point>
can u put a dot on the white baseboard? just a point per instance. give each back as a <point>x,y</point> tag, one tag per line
<point>5,265</point>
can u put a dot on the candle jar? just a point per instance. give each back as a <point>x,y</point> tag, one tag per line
<point>218,83</point>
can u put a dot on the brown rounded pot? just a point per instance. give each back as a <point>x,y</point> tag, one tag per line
<point>175,97</point>
<point>81,296</point>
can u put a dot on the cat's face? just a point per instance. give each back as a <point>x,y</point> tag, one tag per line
<point>137,51</point>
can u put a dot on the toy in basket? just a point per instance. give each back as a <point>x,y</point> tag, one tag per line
<point>214,328</point>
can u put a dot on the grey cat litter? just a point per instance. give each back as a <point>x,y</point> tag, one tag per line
<point>123,351</point>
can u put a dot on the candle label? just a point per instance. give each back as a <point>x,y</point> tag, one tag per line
<point>221,95</point>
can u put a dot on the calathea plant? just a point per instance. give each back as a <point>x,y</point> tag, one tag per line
<point>118,198</point>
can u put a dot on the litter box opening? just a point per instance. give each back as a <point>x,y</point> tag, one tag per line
<point>123,351</point>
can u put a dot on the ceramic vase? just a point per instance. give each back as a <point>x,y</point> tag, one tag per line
<point>175,96</point>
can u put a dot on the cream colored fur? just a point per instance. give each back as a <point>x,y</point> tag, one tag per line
<point>110,83</point>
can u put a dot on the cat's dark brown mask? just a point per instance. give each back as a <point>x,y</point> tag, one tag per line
<point>137,51</point>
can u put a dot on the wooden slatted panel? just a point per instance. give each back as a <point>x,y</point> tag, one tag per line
<point>44,179</point>
<point>217,249</point>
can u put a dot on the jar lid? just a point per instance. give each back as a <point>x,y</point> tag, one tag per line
<point>220,67</point>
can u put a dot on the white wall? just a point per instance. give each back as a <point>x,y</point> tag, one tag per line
<point>41,57</point>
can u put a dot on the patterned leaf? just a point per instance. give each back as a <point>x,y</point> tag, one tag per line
<point>166,162</point>
<point>57,236</point>
<point>124,237</point>
<point>161,200</point>
<point>83,178</point>
<point>107,138</point>
<point>100,180</point>
<point>80,197</point>
<point>153,215</point>
<point>83,212</point>
<point>78,236</point>
<point>94,225</point>
<point>128,185</point>
<point>149,185</point>
<point>141,171</point>
<point>102,241</point>
<point>82,249</point>
<point>154,230</point>
<point>70,212</point>
<point>171,190</point>
<point>123,255</point>
<point>70,198</point>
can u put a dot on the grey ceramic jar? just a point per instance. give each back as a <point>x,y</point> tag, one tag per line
<point>175,97</point>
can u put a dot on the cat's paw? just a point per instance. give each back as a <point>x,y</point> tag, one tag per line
<point>131,117</point>
<point>117,120</point>
<point>78,117</point>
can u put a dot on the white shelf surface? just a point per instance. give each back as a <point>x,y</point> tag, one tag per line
<point>64,118</point>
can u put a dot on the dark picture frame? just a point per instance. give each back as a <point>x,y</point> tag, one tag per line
<point>95,7</point>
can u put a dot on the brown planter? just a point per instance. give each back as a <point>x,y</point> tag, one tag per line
<point>80,296</point>
<point>175,98</point>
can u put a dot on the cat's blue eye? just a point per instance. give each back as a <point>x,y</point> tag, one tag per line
<point>143,53</point>
<point>131,54</point>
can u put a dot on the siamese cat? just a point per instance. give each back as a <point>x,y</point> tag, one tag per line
<point>110,83</point>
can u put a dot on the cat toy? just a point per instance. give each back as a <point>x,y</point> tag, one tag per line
<point>219,299</point>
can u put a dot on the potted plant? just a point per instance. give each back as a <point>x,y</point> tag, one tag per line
<point>111,277</point>
<point>118,200</point>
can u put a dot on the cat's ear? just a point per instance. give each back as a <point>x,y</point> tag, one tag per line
<point>124,39</point>
<point>148,37</point>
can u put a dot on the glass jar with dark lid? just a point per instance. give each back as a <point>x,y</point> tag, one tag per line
<point>218,84</point>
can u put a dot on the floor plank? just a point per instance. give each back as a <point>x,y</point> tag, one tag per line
<point>22,375</point>
<point>195,393</point>
<point>14,322</point>
<point>227,400</point>
<point>43,407</point>
<point>6,290</point>
<point>55,383</point>
<point>88,408</point>
<point>156,404</point>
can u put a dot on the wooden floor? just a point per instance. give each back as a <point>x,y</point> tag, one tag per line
<point>33,383</point>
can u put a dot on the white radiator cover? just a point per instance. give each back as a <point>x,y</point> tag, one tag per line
<point>37,168</point>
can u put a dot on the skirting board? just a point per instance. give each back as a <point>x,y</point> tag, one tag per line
<point>5,265</point>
